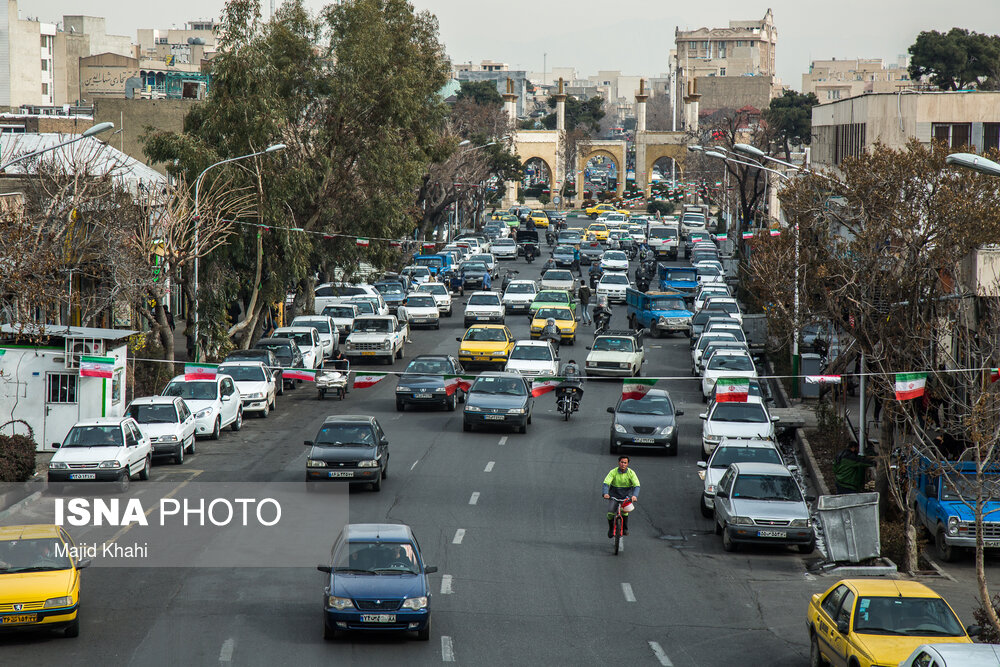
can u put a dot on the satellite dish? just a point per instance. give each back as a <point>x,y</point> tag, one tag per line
<point>195,41</point>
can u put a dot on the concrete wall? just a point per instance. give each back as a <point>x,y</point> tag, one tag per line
<point>43,124</point>
<point>105,75</point>
<point>735,92</point>
<point>134,116</point>
<point>69,49</point>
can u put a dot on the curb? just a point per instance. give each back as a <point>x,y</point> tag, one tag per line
<point>810,460</point>
<point>23,501</point>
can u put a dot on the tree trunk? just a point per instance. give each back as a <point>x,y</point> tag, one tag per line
<point>910,532</point>
<point>252,309</point>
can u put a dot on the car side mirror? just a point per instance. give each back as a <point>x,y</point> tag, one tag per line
<point>703,465</point>
<point>307,443</point>
<point>56,445</point>
<point>430,569</point>
<point>86,562</point>
<point>775,418</point>
<point>842,627</point>
<point>810,499</point>
<point>611,411</point>
<point>588,347</point>
<point>792,468</point>
<point>974,630</point>
<point>721,494</point>
<point>678,413</point>
<point>325,568</point>
<point>458,338</point>
<point>384,441</point>
<point>703,415</point>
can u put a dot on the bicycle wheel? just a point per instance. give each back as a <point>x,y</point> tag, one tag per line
<point>618,534</point>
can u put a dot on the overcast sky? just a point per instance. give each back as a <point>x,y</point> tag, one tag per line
<point>633,36</point>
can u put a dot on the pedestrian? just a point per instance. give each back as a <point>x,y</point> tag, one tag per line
<point>584,293</point>
<point>576,262</point>
<point>849,469</point>
<point>170,317</point>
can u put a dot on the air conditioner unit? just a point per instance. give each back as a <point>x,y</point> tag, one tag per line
<point>79,347</point>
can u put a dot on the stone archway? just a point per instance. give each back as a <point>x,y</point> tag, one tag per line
<point>615,150</point>
<point>653,146</point>
<point>543,145</point>
<point>536,170</point>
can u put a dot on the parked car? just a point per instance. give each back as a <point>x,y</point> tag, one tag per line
<point>442,297</point>
<point>426,381</point>
<point>532,358</point>
<point>343,315</point>
<point>732,450</point>
<point>266,357</point>
<point>325,327</point>
<point>307,339</point>
<point>649,422</point>
<point>167,422</point>
<point>731,419</point>
<point>103,449</point>
<point>215,403</point>
<point>498,398</point>
<point>286,352</point>
<point>349,448</point>
<point>256,386</point>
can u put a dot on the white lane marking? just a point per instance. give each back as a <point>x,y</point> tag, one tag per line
<point>414,464</point>
<point>447,650</point>
<point>489,466</point>
<point>660,655</point>
<point>445,584</point>
<point>226,653</point>
<point>459,534</point>
<point>810,577</point>
<point>503,440</point>
<point>475,498</point>
<point>627,590</point>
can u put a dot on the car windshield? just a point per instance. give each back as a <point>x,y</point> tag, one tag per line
<point>244,373</point>
<point>723,456</point>
<point>345,434</point>
<point>484,300</point>
<point>499,385</point>
<point>390,288</point>
<point>679,275</point>
<point>413,301</point>
<point>94,436</point>
<point>339,312</point>
<point>301,338</point>
<point>482,335</point>
<point>569,237</point>
<point>912,617</point>
<point>322,326</point>
<point>615,279</point>
<point>667,303</point>
<point>614,344</point>
<point>964,488</point>
<point>547,296</point>
<point>598,228</point>
<point>416,271</point>
<point>504,243</point>
<point>434,288</point>
<point>281,350</point>
<point>563,250</point>
<point>372,325</point>
<point>702,316</point>
<point>714,335</point>
<point>730,362</point>
<point>766,487</point>
<point>37,555</point>
<point>531,353</point>
<point>709,271</point>
<point>485,259</point>
<point>377,559</point>
<point>436,262</point>
<point>429,367</point>
<point>615,256</point>
<point>153,414</point>
<point>554,313</point>
<point>365,307</point>
<point>647,405</point>
<point>520,288</point>
<point>744,413</point>
<point>662,233</point>
<point>194,391</point>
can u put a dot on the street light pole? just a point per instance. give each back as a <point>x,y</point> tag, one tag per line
<point>89,132</point>
<point>197,227</point>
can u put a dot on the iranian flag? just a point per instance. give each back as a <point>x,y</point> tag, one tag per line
<point>362,242</point>
<point>994,372</point>
<point>822,379</point>
<point>97,367</point>
<point>775,232</point>
<point>194,371</point>
<point>429,246</point>
<point>732,390</point>
<point>543,385</point>
<point>635,388</point>
<point>910,385</point>
<point>455,382</point>
<point>304,374</point>
<point>747,235</point>
<point>368,379</point>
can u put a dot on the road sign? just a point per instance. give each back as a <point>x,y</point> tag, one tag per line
<point>556,200</point>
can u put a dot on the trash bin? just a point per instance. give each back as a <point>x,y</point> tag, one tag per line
<point>810,366</point>
<point>850,526</point>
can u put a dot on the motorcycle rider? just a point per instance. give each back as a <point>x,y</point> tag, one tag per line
<point>621,483</point>
<point>550,332</point>
<point>602,314</point>
<point>570,369</point>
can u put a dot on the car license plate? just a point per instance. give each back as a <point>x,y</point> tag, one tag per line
<point>368,353</point>
<point>20,618</point>
<point>644,441</point>
<point>480,318</point>
<point>482,358</point>
<point>378,618</point>
<point>340,473</point>
<point>493,417</point>
<point>83,475</point>
<point>421,396</point>
<point>771,533</point>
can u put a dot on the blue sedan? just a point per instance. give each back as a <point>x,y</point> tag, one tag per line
<point>378,582</point>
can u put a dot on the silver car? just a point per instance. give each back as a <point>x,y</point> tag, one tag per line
<point>953,655</point>
<point>761,503</point>
<point>732,450</point>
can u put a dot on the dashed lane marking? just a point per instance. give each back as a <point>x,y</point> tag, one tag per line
<point>226,652</point>
<point>475,498</point>
<point>489,466</point>
<point>627,590</point>
<point>459,535</point>
<point>445,584</point>
<point>414,464</point>
<point>447,650</point>
<point>660,654</point>
<point>503,440</point>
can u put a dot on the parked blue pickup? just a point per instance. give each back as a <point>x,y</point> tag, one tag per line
<point>943,498</point>
<point>436,264</point>
<point>659,312</point>
<point>681,279</point>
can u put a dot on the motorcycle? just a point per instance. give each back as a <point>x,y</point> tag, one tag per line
<point>568,395</point>
<point>550,238</point>
<point>602,319</point>
<point>507,277</point>
<point>530,252</point>
<point>642,283</point>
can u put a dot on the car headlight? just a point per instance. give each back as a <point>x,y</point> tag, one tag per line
<point>415,604</point>
<point>110,464</point>
<point>64,601</point>
<point>404,388</point>
<point>741,521</point>
<point>56,465</point>
<point>712,438</point>
<point>953,525</point>
<point>370,463</point>
<point>666,430</point>
<point>501,353</point>
<point>440,390</point>
<point>465,352</point>
<point>334,602</point>
<point>515,411</point>
<point>623,364</point>
<point>662,320</point>
<point>168,438</point>
<point>473,408</point>
<point>207,412</point>
<point>800,523</point>
<point>350,345</point>
<point>254,395</point>
<point>387,344</point>
<point>312,463</point>
<point>620,429</point>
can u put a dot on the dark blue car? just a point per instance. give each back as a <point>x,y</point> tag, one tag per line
<point>378,581</point>
<point>475,276</point>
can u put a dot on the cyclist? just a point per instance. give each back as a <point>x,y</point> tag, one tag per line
<point>620,484</point>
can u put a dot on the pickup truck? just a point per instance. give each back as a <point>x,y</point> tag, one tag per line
<point>664,240</point>
<point>659,312</point>
<point>376,337</point>
<point>436,264</point>
<point>942,498</point>
<point>616,354</point>
<point>678,279</point>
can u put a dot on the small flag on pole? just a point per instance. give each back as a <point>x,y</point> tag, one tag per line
<point>635,388</point>
<point>543,385</point>
<point>304,374</point>
<point>362,242</point>
<point>732,390</point>
<point>910,385</point>
<point>775,232</point>
<point>193,371</point>
<point>747,235</point>
<point>822,379</point>
<point>994,372</point>
<point>395,244</point>
<point>97,367</point>
<point>366,379</point>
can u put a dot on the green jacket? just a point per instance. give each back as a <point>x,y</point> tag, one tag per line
<point>627,481</point>
<point>849,470</point>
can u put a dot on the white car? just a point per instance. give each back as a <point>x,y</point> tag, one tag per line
<point>215,402</point>
<point>613,286</point>
<point>731,450</point>
<point>731,419</point>
<point>343,315</point>
<point>726,364</point>
<point>615,355</point>
<point>726,303</point>
<point>638,233</point>
<point>327,329</point>
<point>328,293</point>
<point>167,422</point>
<point>699,347</point>
<point>559,279</point>
<point>105,449</point>
<point>484,307</point>
<point>518,296</point>
<point>442,297</point>
<point>463,250</point>
<point>706,290</point>
<point>417,274</point>
<point>614,260</point>
<point>504,249</point>
<point>377,303</point>
<point>532,358</point>
<point>256,385</point>
<point>489,260</point>
<point>420,309</point>
<point>307,338</point>
<point>610,218</point>
<point>709,272</point>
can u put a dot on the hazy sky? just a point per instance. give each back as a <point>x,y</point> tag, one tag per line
<point>629,35</point>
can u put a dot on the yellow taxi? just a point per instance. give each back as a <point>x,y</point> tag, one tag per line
<point>485,345</point>
<point>598,231</point>
<point>565,320</point>
<point>39,579</point>
<point>597,209</point>
<point>878,622</point>
<point>539,218</point>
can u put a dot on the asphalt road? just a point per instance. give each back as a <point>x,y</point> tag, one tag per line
<point>515,524</point>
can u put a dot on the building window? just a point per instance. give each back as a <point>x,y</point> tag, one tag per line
<point>952,135</point>
<point>60,387</point>
<point>45,65</point>
<point>833,94</point>
<point>739,43</point>
<point>45,89</point>
<point>849,141</point>
<point>722,71</point>
<point>991,135</point>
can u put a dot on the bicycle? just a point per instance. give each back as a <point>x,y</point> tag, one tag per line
<point>619,525</point>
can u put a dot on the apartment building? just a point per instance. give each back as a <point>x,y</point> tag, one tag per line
<point>832,80</point>
<point>27,66</point>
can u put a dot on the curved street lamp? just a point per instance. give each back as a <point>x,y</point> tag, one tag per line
<point>974,162</point>
<point>89,132</point>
